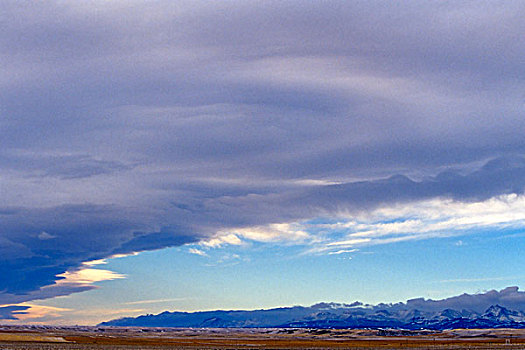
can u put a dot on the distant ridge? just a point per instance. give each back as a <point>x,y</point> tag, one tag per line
<point>493,309</point>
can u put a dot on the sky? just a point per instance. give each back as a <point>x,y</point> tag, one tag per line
<point>193,155</point>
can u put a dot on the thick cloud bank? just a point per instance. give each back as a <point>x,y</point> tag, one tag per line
<point>139,126</point>
<point>509,297</point>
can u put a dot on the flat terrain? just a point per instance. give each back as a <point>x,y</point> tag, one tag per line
<point>45,337</point>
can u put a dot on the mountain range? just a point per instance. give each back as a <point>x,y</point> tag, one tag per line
<point>493,309</point>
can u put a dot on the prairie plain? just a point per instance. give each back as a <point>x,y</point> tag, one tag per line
<point>47,338</point>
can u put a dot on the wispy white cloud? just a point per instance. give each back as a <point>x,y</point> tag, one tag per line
<point>43,236</point>
<point>197,252</point>
<point>397,223</point>
<point>222,238</point>
<point>71,281</point>
<point>428,219</point>
<point>45,314</point>
<point>154,301</point>
<point>105,261</point>
<point>228,259</point>
<point>337,252</point>
<point>276,232</point>
<point>482,279</point>
<point>36,312</point>
<point>283,232</point>
<point>87,276</point>
<point>95,262</point>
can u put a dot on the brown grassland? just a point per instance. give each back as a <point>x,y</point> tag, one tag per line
<point>22,337</point>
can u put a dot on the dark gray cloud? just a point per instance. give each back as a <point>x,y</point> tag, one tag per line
<point>73,234</point>
<point>63,167</point>
<point>497,177</point>
<point>80,233</point>
<point>509,297</point>
<point>6,312</point>
<point>128,127</point>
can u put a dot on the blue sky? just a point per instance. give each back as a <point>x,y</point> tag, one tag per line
<point>195,155</point>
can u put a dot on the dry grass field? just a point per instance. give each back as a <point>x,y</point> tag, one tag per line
<point>22,338</point>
